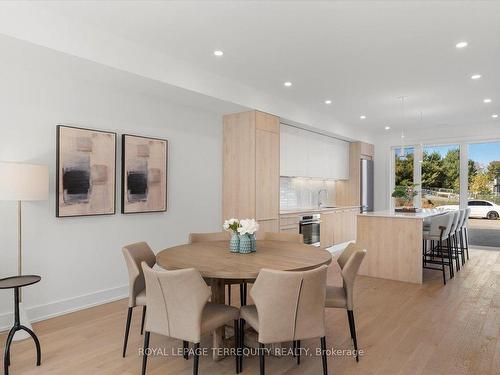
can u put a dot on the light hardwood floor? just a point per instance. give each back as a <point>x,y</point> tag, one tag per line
<point>403,329</point>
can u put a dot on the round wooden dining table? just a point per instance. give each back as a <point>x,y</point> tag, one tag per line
<point>214,261</point>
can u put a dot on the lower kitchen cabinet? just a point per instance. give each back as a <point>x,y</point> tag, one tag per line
<point>338,226</point>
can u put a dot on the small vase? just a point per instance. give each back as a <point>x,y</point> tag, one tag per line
<point>254,242</point>
<point>245,244</point>
<point>234,243</point>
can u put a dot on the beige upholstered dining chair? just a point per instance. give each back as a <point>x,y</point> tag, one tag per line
<point>283,236</point>
<point>220,236</point>
<point>272,236</point>
<point>343,297</point>
<point>178,307</point>
<point>289,306</point>
<point>134,255</point>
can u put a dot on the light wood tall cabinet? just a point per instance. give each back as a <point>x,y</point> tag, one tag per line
<point>348,191</point>
<point>251,168</point>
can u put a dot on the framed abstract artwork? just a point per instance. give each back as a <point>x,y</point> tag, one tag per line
<point>86,172</point>
<point>144,174</point>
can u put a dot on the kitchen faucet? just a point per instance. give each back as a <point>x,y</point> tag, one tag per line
<point>319,195</point>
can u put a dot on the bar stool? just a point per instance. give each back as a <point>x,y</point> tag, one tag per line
<point>454,252</point>
<point>465,229</point>
<point>439,232</point>
<point>458,236</point>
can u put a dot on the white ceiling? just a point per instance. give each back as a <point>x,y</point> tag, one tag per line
<point>360,54</point>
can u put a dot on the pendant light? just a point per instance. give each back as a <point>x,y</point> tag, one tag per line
<point>402,155</point>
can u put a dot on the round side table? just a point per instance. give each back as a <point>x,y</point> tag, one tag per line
<point>17,282</point>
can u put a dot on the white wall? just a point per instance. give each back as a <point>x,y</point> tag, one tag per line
<point>80,259</point>
<point>427,136</point>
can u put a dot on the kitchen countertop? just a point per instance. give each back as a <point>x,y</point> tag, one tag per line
<point>315,210</point>
<point>403,215</point>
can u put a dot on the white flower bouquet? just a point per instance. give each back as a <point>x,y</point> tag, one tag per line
<point>231,225</point>
<point>247,230</point>
<point>248,226</point>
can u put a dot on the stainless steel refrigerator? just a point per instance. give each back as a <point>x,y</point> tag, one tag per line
<point>366,186</point>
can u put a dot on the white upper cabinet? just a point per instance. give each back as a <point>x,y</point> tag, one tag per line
<point>293,152</point>
<point>307,154</point>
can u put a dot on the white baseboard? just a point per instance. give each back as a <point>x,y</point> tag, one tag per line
<point>53,309</point>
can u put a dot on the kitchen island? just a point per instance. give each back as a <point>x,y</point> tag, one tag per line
<point>393,242</point>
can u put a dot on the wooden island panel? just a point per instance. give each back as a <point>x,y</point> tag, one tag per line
<point>394,247</point>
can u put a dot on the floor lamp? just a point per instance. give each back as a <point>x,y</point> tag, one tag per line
<point>23,182</point>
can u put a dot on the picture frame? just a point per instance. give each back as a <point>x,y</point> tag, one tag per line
<point>144,183</point>
<point>85,172</point>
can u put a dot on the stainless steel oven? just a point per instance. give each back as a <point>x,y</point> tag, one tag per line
<point>309,227</point>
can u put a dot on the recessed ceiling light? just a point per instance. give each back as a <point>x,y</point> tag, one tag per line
<point>461,45</point>
<point>475,76</point>
<point>362,117</point>
<point>287,84</point>
<point>487,100</point>
<point>328,101</point>
<point>494,115</point>
<point>218,52</point>
<point>387,128</point>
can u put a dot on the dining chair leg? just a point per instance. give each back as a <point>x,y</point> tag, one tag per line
<point>196,358</point>
<point>262,359</point>
<point>127,330</point>
<point>185,349</point>
<point>294,350</point>
<point>143,319</point>
<point>237,344</point>
<point>352,328</point>
<point>242,342</point>
<point>229,294</point>
<point>145,352</point>
<point>298,352</point>
<point>323,355</point>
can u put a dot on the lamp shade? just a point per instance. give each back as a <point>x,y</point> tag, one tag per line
<point>23,182</point>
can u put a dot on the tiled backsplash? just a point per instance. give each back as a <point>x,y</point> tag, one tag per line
<point>296,192</point>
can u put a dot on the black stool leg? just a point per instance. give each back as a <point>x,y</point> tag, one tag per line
<point>466,242</point>
<point>229,294</point>
<point>442,259</point>
<point>127,330</point>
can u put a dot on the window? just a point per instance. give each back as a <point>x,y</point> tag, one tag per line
<point>440,176</point>
<point>483,193</point>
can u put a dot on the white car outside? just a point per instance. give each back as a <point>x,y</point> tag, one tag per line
<point>479,209</point>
